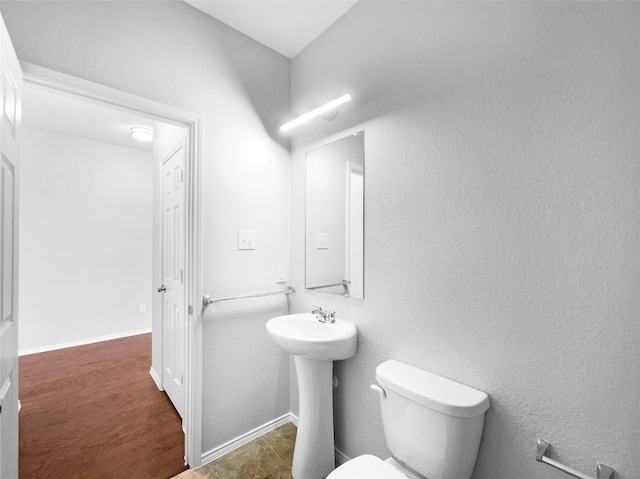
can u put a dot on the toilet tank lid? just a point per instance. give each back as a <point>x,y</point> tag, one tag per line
<point>431,390</point>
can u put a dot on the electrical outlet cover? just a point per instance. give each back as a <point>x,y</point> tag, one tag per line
<point>281,273</point>
<point>323,241</point>
<point>246,239</point>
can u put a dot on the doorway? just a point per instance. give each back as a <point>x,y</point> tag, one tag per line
<point>86,202</point>
<point>189,123</point>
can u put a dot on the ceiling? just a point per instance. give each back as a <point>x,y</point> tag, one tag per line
<point>286,26</point>
<point>46,110</point>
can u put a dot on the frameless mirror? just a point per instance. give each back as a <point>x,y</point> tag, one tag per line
<point>335,217</point>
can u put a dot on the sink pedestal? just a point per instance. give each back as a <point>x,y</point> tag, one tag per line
<point>314,454</point>
<point>314,345</point>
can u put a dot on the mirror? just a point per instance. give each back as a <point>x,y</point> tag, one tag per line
<point>335,217</point>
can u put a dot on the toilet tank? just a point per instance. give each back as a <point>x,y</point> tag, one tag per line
<point>431,424</point>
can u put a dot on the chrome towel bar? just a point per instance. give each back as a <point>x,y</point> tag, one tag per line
<point>603,471</point>
<point>207,300</point>
<point>343,283</point>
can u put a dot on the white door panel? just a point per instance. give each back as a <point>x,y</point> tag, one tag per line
<point>355,230</point>
<point>10,96</point>
<point>173,242</point>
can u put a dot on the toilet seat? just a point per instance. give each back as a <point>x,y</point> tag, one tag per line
<point>366,467</point>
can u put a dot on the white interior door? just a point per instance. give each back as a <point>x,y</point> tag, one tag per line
<point>10,85</point>
<point>355,230</point>
<point>174,317</point>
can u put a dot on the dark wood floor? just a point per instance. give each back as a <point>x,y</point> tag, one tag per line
<point>93,412</point>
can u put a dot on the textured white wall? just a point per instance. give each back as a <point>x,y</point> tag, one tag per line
<point>169,52</point>
<point>502,224</point>
<point>85,239</point>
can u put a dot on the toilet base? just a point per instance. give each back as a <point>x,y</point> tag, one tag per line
<point>410,473</point>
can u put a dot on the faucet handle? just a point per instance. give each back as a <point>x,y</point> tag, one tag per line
<point>316,308</point>
<point>331,315</point>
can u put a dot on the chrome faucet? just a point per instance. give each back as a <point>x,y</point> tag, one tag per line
<point>323,316</point>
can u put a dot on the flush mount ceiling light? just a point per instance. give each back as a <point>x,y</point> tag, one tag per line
<point>142,133</point>
<point>317,112</point>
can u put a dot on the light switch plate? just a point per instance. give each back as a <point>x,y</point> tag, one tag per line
<point>323,241</point>
<point>246,239</point>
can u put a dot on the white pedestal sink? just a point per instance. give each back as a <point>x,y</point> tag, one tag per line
<point>315,345</point>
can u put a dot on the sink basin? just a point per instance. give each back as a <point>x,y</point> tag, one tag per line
<point>303,335</point>
<point>314,346</point>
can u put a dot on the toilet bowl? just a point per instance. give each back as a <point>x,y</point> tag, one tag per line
<point>432,426</point>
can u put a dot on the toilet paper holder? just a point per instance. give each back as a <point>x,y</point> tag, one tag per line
<point>603,471</point>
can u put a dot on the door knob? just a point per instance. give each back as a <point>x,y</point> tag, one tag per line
<point>162,289</point>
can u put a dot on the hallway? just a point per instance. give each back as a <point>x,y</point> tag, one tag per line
<point>94,412</point>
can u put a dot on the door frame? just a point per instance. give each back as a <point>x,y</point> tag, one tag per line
<point>101,94</point>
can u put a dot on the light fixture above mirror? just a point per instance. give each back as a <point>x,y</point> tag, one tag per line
<point>317,112</point>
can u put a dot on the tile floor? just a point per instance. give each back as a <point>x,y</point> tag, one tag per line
<point>267,457</point>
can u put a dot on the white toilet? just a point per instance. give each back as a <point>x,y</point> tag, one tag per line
<point>432,426</point>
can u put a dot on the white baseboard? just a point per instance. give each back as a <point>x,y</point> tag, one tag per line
<point>294,419</point>
<point>341,458</point>
<point>156,378</point>
<point>240,441</point>
<point>82,342</point>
